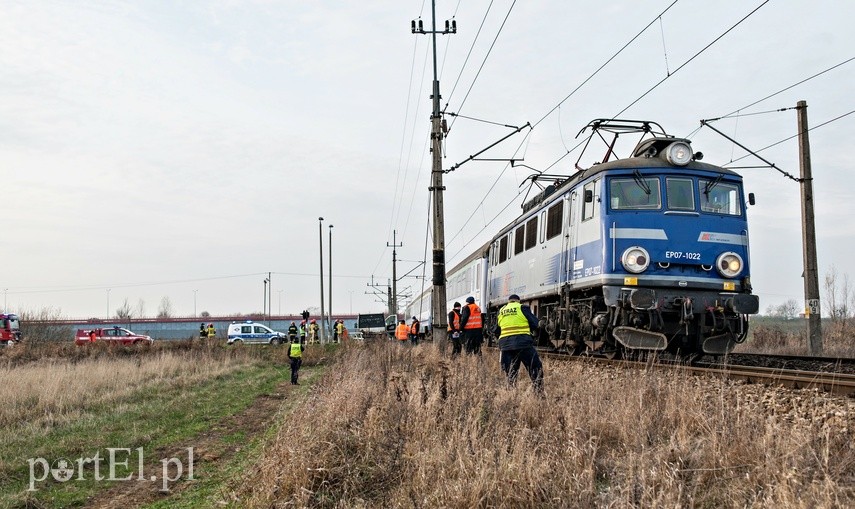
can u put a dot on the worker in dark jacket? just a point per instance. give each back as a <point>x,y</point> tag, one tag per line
<point>454,329</point>
<point>472,326</point>
<point>293,332</point>
<point>414,331</point>
<point>295,354</point>
<point>516,344</point>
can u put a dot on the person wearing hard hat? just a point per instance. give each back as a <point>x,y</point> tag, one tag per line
<point>514,328</point>
<point>293,332</point>
<point>303,332</point>
<point>212,332</point>
<point>314,331</point>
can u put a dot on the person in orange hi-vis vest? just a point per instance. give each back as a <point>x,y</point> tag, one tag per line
<point>471,324</point>
<point>414,331</point>
<point>402,332</point>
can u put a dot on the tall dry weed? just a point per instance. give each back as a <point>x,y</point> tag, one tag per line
<point>395,427</point>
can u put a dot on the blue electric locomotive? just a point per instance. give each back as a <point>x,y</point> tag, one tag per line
<point>645,253</point>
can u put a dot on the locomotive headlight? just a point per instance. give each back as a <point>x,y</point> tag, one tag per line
<point>678,153</point>
<point>635,259</point>
<point>729,264</point>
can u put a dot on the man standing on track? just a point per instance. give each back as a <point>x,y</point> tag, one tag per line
<point>454,329</point>
<point>471,324</point>
<point>514,327</point>
<point>295,354</point>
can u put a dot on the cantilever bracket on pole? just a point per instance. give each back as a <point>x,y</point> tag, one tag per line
<point>476,154</point>
<point>706,123</point>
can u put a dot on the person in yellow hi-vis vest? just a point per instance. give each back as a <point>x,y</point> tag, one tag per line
<point>514,328</point>
<point>295,353</point>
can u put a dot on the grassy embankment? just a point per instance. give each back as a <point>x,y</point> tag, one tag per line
<point>59,402</point>
<point>395,427</point>
<point>771,335</point>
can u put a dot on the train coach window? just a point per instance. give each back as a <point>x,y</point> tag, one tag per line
<point>719,198</point>
<point>503,249</point>
<point>681,194</point>
<point>635,194</point>
<point>531,233</point>
<point>553,219</point>
<point>519,240</point>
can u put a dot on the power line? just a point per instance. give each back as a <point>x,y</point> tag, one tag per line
<point>820,73</point>
<point>684,64</point>
<point>492,45</point>
<point>466,60</point>
<point>600,68</point>
<point>793,136</point>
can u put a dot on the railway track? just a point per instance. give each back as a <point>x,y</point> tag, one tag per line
<point>834,382</point>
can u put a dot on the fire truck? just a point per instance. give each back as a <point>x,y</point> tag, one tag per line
<point>10,329</point>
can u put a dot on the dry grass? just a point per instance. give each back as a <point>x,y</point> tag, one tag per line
<point>395,427</point>
<point>790,338</point>
<point>45,384</point>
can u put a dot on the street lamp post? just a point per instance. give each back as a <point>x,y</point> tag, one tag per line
<point>194,303</point>
<point>321,256</point>
<point>264,310</point>
<point>330,313</point>
<point>280,302</point>
<point>108,303</point>
<point>351,301</point>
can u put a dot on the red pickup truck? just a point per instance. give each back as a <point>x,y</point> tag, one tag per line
<point>114,335</point>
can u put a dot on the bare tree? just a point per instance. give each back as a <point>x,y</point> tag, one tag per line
<point>837,295</point>
<point>205,314</point>
<point>788,310</point>
<point>124,312</point>
<point>165,309</point>
<point>140,310</point>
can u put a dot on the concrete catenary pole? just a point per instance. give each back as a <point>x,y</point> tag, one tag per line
<point>321,256</point>
<point>393,297</point>
<point>438,299</point>
<point>811,273</point>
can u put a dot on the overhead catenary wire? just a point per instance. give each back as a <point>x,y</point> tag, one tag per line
<point>556,107</point>
<point>794,136</point>
<point>684,64</point>
<point>820,73</point>
<point>466,60</point>
<point>483,62</point>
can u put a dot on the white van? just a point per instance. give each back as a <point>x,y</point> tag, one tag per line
<point>251,332</point>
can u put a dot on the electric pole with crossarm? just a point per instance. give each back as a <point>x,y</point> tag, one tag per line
<point>438,300</point>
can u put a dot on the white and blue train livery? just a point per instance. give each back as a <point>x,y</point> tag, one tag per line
<point>645,253</point>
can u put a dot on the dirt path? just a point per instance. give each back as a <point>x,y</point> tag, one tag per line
<point>209,448</point>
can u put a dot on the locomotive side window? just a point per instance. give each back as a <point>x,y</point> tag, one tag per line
<point>719,198</point>
<point>519,240</point>
<point>681,195</point>
<point>531,233</point>
<point>542,226</point>
<point>588,207</point>
<point>503,249</point>
<point>640,193</point>
<point>553,219</point>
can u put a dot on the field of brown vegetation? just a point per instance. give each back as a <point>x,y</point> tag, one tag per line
<point>789,337</point>
<point>406,427</point>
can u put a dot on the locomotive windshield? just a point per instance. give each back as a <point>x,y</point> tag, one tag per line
<point>719,197</point>
<point>635,194</point>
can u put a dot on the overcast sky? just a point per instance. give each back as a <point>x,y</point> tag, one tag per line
<point>185,149</point>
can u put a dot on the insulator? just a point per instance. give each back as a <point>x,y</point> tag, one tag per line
<point>454,25</point>
<point>447,26</point>
<point>413,25</point>
<point>421,26</point>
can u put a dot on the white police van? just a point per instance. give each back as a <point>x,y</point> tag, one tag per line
<point>251,332</point>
